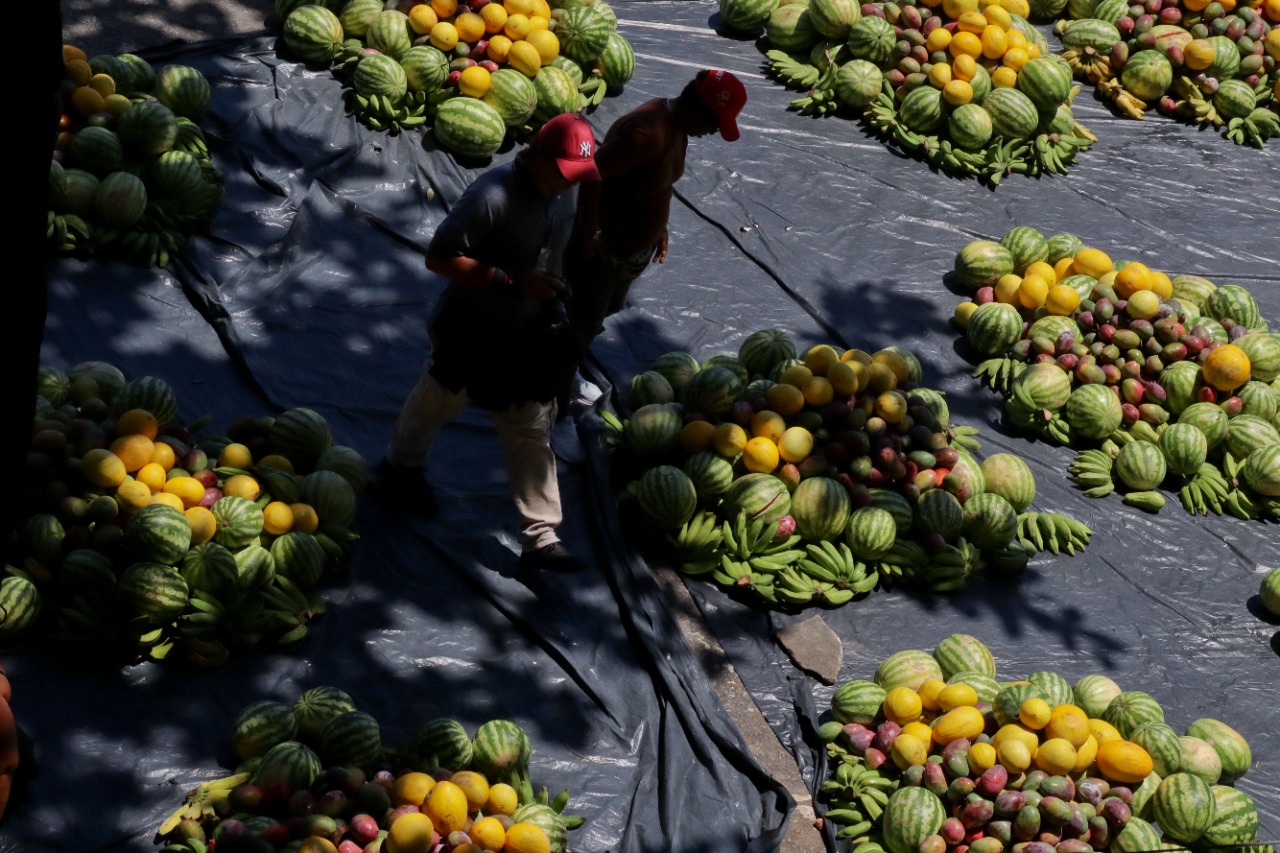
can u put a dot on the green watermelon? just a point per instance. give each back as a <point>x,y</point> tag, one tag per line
<point>617,62</point>
<point>313,34</point>
<point>153,592</point>
<point>380,74</point>
<point>291,763</point>
<point>120,200</point>
<point>1183,806</point>
<point>316,707</point>
<point>426,68</point>
<point>184,90</point>
<point>389,33</point>
<point>821,508</point>
<point>871,532</point>
<point>500,748</point>
<point>667,496</point>
<point>857,702</point>
<point>746,15</point>
<point>261,725</point>
<point>147,129</point>
<point>910,816</point>
<point>583,33</point>
<point>157,534</point>
<point>759,496</point>
<point>439,743</point>
<point>557,94</point>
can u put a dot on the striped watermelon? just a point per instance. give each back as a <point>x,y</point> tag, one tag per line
<point>500,748</point>
<point>993,328</point>
<point>426,68</point>
<point>907,668</point>
<point>1226,58</point>
<point>1147,75</point>
<point>1181,382</point>
<point>964,653</point>
<point>1183,806</point>
<point>1199,758</point>
<point>512,95</point>
<point>548,820</point>
<point>44,535</point>
<point>141,76</point>
<point>1094,693</point>
<point>1091,32</point>
<point>896,505</point>
<point>583,33</point>
<point>969,126</point>
<point>746,15</point>
<point>984,685</point>
<point>653,430</point>
<point>356,16</point>
<point>1046,81</point>
<point>1064,245</point>
<point>981,263</point>
<point>299,557</point>
<point>1111,11</point>
<point>20,604</point>
<point>347,463</point>
<point>677,366</point>
<point>1185,448</point>
<point>97,150</point>
<point>291,763</point>
<point>857,702</point>
<point>352,739</point>
<point>1231,746</point>
<point>1193,289</point>
<point>1093,411</point>
<point>858,83</point>
<point>210,568</point>
<point>255,567</point>
<point>1136,836</point>
<point>440,743</point>
<point>1261,471</point>
<point>153,592</point>
<point>1013,116</point>
<point>147,129</point>
<point>711,391</point>
<point>1234,99</point>
<point>710,473</point>
<point>1056,689</point>
<point>1009,477</point>
<point>759,496</point>
<point>300,434</point>
<point>871,532</point>
<point>1046,384</point>
<point>938,512</point>
<point>1131,709</point>
<point>389,33</point>
<point>667,496</point>
<point>557,94</point>
<point>331,496</point>
<point>1258,398</point>
<point>316,707</point>
<point>51,383</point>
<point>1235,818</point>
<point>790,30</point>
<point>1269,591</point>
<point>923,109</point>
<point>151,393</point>
<point>261,725</point>
<point>157,534</point>
<point>911,815</point>
<point>313,34</point>
<point>730,361</point>
<point>617,62</point>
<point>108,378</point>
<point>184,90</point>
<point>834,18</point>
<point>764,348</point>
<point>1026,244</point>
<point>1235,303</point>
<point>1007,702</point>
<point>1162,744</point>
<point>821,508</point>
<point>379,74</point>
<point>872,38</point>
<point>175,174</point>
<point>239,521</point>
<point>649,387</point>
<point>91,573</point>
<point>1247,433</point>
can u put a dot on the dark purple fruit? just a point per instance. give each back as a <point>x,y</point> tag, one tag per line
<point>975,814</point>
<point>959,789</point>
<point>992,781</point>
<point>1059,786</point>
<point>1099,832</point>
<point>913,776</point>
<point>935,779</point>
<point>1092,790</point>
<point>952,831</point>
<point>1073,845</point>
<point>1054,811</point>
<point>1114,811</point>
<point>1009,803</point>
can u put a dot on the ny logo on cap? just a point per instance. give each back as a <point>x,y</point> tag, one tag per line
<point>584,148</point>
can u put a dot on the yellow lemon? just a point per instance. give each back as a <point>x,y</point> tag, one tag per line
<point>503,799</point>
<point>152,475</point>
<point>203,524</point>
<point>919,730</point>
<point>499,47</point>
<point>729,440</point>
<point>891,406</point>
<point>767,424</point>
<point>964,67</point>
<point>519,7</point>
<point>857,355</point>
<point>134,451</point>
<point>1130,279</point>
<point>1093,262</point>
<point>999,17</point>
<point>1032,293</point>
<point>242,486</point>
<point>277,518</point>
<point>1063,268</point>
<point>819,358</point>
<point>473,785</point>
<point>937,40</point>
<point>902,705</point>
<point>846,377</point>
<point>956,8</point>
<point>965,44</point>
<point>908,751</point>
<point>817,391</point>
<point>422,18</point>
<point>1042,269</point>
<point>1102,731</point>
<point>545,42</point>
<point>1015,58</point>
<point>526,838</point>
<point>1086,753</point>
<point>964,721</point>
<point>132,495</point>
<point>1063,300</point>
<point>1014,756</point>
<point>796,444</point>
<point>895,362</point>
<point>516,27</point>
<point>446,805</point>
<point>929,690</point>
<point>760,455</point>
<point>1161,284</point>
<point>444,36</point>
<point>786,400</point>
<point>523,57</point>
<point>1004,77</point>
<point>1056,756</point>
<point>488,832</point>
<point>957,696</point>
<point>163,454</point>
<point>474,81</point>
<point>994,41</point>
<point>166,499</point>
<point>939,74</point>
<point>102,468</point>
<point>696,436</point>
<point>982,756</point>
<point>960,316</point>
<point>137,422</point>
<point>412,832</point>
<point>470,27</point>
<point>304,518</point>
<point>1007,288</point>
<point>495,17</point>
<point>796,374</point>
<point>957,92</point>
<point>1142,305</point>
<point>971,22</point>
<point>275,460</point>
<point>880,378</point>
<point>188,489</point>
<point>444,8</point>
<point>235,455</point>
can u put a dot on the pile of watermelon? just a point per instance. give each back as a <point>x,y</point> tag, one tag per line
<point>147,539</point>
<point>1211,63</point>
<point>319,770</point>
<point>131,177</point>
<point>817,479</point>
<point>476,70</point>
<point>1160,379</point>
<point>975,92</point>
<point>935,754</point>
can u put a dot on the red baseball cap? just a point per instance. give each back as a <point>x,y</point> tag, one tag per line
<point>725,96</point>
<point>569,138</point>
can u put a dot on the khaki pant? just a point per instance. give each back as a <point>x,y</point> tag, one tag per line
<point>525,433</point>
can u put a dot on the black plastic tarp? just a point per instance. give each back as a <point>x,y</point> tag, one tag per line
<point>311,291</point>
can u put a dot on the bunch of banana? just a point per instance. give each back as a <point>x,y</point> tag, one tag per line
<point>202,803</point>
<point>206,654</point>
<point>525,796</point>
<point>1125,102</point>
<point>379,113</point>
<point>294,608</point>
<point>903,563</point>
<point>753,555</point>
<point>950,566</point>
<point>191,139</point>
<point>1053,153</point>
<point>78,622</point>
<point>1052,532</point>
<point>615,429</point>
<point>856,796</point>
<point>821,99</point>
<point>1192,105</point>
<point>964,438</point>
<point>68,233</point>
<point>697,544</point>
<point>204,618</point>
<point>1206,491</point>
<point>593,90</point>
<point>833,563</point>
<point>1254,129</point>
<point>1092,470</point>
<point>336,541</point>
<point>186,845</point>
<point>1007,158</point>
<point>1005,561</point>
<point>882,113</point>
<point>347,58</point>
<point>153,645</point>
<point>1087,62</point>
<point>1021,411</point>
<point>791,72</point>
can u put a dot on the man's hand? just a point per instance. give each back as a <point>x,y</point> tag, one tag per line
<point>660,253</point>
<point>538,286</point>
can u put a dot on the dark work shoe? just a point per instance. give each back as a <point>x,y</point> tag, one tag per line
<point>552,558</point>
<point>406,489</point>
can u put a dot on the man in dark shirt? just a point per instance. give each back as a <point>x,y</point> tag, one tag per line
<point>621,224</point>
<point>500,339</point>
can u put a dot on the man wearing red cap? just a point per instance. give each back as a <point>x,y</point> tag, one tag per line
<point>621,224</point>
<point>499,337</point>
